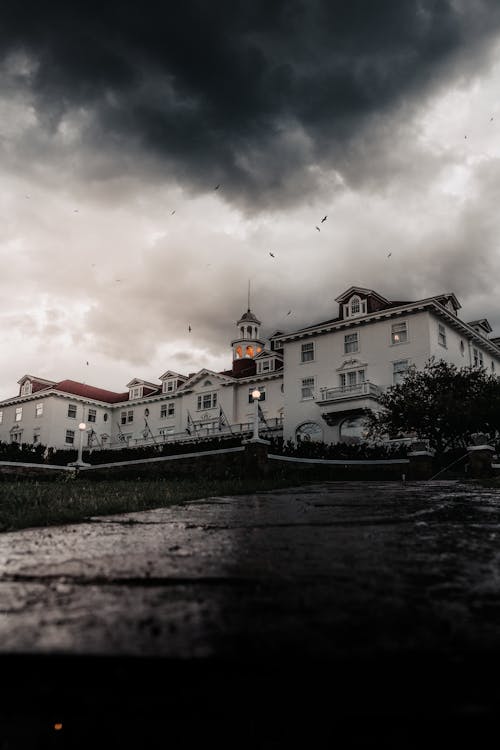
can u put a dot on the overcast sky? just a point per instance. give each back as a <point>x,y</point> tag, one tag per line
<point>382,115</point>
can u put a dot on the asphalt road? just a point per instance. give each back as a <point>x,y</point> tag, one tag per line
<point>367,611</point>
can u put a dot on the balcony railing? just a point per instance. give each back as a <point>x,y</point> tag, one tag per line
<point>273,426</point>
<point>358,390</point>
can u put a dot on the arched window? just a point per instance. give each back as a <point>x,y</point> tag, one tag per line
<point>249,351</point>
<point>310,432</point>
<point>239,352</point>
<point>352,430</point>
<point>355,305</point>
<point>207,382</point>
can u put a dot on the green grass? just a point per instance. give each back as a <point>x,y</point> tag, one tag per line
<point>29,503</point>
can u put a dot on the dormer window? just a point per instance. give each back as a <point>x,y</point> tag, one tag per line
<point>26,388</point>
<point>266,365</point>
<point>169,386</point>
<point>136,392</point>
<point>356,306</point>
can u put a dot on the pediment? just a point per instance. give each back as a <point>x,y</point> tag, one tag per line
<point>198,378</point>
<point>349,364</point>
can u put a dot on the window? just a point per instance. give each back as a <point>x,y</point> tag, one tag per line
<point>127,416</point>
<point>1,417</point>
<point>92,415</point>
<point>307,388</point>
<point>72,411</point>
<point>266,365</point>
<point>399,369</point>
<point>441,334</point>
<point>70,437</point>
<point>478,358</point>
<point>492,370</point>
<point>167,410</point>
<point>36,436</point>
<point>462,348</point>
<point>19,413</point>
<point>39,410</point>
<point>351,343</point>
<point>26,388</point>
<point>352,430</point>
<point>307,352</point>
<point>15,437</point>
<point>136,392</point>
<point>169,386</point>
<point>352,380</point>
<point>355,307</point>
<point>206,401</point>
<point>399,333</point>
<point>262,392</point>
<point>310,432</point>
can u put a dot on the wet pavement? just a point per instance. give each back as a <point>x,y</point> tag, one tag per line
<point>377,600</point>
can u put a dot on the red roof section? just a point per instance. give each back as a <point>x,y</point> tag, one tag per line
<point>90,391</point>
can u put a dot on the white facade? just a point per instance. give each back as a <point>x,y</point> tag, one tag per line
<point>334,371</point>
<point>316,382</point>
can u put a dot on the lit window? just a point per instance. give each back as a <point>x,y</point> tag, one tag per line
<point>19,413</point>
<point>239,352</point>
<point>92,415</point>
<point>38,410</point>
<point>307,388</point>
<point>399,370</point>
<point>441,334</point>
<point>307,352</point>
<point>351,342</point>
<point>72,411</point>
<point>399,333</point>
<point>70,437</point>
<point>249,351</point>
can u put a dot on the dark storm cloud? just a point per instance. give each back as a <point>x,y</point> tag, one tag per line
<point>246,94</point>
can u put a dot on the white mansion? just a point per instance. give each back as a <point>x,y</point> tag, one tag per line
<point>315,383</point>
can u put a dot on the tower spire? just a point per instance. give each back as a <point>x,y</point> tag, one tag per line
<point>249,294</point>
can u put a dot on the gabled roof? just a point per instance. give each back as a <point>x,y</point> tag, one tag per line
<point>268,353</point>
<point>138,381</point>
<point>89,391</point>
<point>361,291</point>
<point>481,323</point>
<point>197,376</point>
<point>171,374</point>
<point>37,384</point>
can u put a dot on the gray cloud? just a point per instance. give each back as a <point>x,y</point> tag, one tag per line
<point>250,95</point>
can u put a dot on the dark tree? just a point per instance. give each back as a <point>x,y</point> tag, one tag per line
<point>442,403</point>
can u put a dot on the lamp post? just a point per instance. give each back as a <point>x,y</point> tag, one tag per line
<point>256,397</point>
<point>79,461</point>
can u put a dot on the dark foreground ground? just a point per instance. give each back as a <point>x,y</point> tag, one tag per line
<point>336,615</point>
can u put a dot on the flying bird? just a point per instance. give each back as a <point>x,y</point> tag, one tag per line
<point>216,187</point>
<point>189,329</point>
<point>87,363</point>
<point>324,219</point>
<point>319,230</point>
<point>289,312</point>
<point>389,255</point>
<point>27,196</point>
<point>75,210</point>
<point>271,254</point>
<point>173,212</point>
